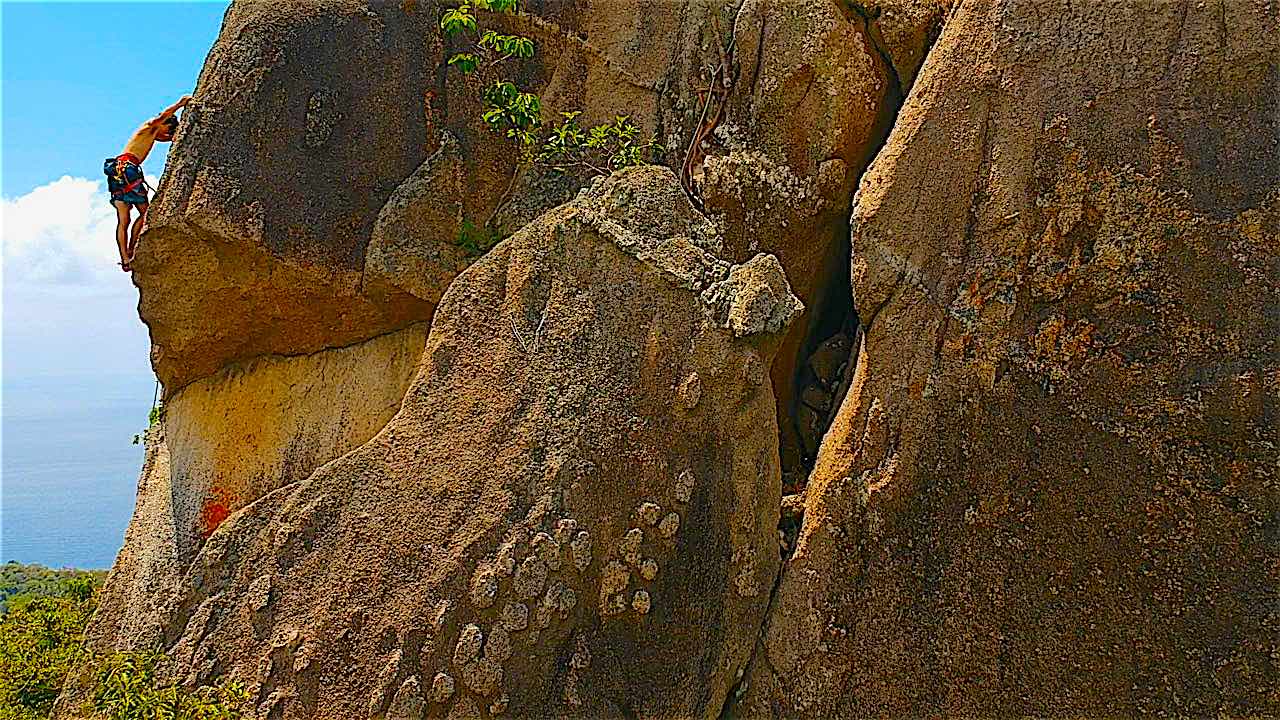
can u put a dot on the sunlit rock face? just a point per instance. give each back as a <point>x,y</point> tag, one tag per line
<point>574,511</point>
<point>997,311</point>
<point>1050,489</point>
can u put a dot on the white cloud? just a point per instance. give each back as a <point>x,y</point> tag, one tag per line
<point>62,235</point>
<point>67,307</point>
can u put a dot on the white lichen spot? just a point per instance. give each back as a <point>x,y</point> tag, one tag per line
<point>484,586</point>
<point>543,615</point>
<point>690,391</point>
<point>498,646</point>
<point>640,602</point>
<point>548,549</point>
<point>649,512</point>
<point>438,615</point>
<point>515,616</point>
<point>571,696</point>
<point>581,659</point>
<point>483,676</point>
<point>565,530</point>
<point>648,568</point>
<point>407,702</point>
<point>669,526</point>
<point>684,486</point>
<point>531,576</point>
<point>614,579</point>
<point>568,600</point>
<point>505,563</point>
<point>580,548</point>
<point>470,640</point>
<point>745,583</point>
<point>615,605</point>
<point>441,687</point>
<point>629,545</point>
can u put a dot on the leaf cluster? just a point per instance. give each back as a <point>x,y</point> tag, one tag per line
<point>562,146</point>
<point>600,149</point>
<point>40,641</point>
<point>155,416</point>
<point>489,45</point>
<point>476,241</point>
<point>517,113</point>
<point>126,688</point>
<point>20,583</point>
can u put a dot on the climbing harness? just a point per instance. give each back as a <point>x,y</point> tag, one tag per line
<point>116,168</point>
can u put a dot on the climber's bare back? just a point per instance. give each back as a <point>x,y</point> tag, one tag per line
<point>143,139</point>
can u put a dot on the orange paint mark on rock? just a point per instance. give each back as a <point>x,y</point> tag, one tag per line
<point>215,509</point>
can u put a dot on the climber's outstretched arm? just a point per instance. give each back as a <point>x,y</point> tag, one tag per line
<point>169,111</point>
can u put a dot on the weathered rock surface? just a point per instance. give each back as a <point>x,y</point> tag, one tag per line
<point>1051,489</point>
<point>1050,483</point>
<point>230,439</point>
<point>259,242</point>
<point>256,243</point>
<point>574,512</point>
<point>294,220</point>
<point>810,101</point>
<point>255,427</point>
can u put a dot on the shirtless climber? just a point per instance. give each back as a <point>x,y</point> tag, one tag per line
<point>125,182</point>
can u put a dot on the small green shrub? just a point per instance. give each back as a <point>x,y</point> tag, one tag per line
<point>155,416</point>
<point>126,688</point>
<point>476,241</point>
<point>563,145</point>
<point>21,583</point>
<point>40,640</point>
<point>600,150</point>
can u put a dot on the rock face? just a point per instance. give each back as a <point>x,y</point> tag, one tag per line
<point>251,429</point>
<point>1051,487</point>
<point>573,513</point>
<point>1035,372</point>
<point>256,242</point>
<point>809,101</point>
<point>228,440</point>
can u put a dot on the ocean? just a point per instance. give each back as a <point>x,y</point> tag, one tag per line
<point>69,469</point>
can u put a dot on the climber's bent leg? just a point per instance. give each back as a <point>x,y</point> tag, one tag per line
<point>138,226</point>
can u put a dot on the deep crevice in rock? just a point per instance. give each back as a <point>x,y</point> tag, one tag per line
<point>826,355</point>
<point>832,338</point>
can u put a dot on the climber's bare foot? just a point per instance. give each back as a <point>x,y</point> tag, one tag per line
<point>126,266</point>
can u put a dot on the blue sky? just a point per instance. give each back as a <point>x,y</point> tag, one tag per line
<point>77,79</point>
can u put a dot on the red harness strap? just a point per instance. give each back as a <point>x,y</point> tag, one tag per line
<point>129,188</point>
<point>127,157</point>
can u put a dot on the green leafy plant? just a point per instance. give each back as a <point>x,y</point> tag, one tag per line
<point>600,150</point>
<point>155,416</point>
<point>40,641</point>
<point>562,145</point>
<point>476,241</point>
<point>126,688</point>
